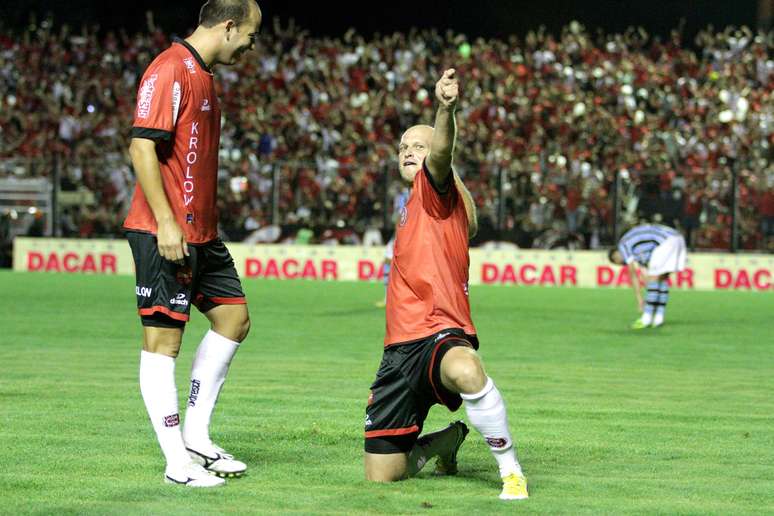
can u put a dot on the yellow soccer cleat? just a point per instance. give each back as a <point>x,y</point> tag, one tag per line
<point>639,325</point>
<point>514,487</point>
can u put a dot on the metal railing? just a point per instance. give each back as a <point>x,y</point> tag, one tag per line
<point>533,209</point>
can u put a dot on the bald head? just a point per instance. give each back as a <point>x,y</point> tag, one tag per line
<point>217,11</point>
<point>424,132</point>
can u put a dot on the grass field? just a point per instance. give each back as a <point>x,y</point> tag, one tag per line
<point>674,420</point>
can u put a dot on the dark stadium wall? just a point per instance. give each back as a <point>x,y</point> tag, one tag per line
<point>487,18</point>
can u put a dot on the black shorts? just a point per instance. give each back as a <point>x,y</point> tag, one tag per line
<point>407,384</point>
<point>166,290</point>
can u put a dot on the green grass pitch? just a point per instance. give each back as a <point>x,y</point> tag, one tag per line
<point>678,420</point>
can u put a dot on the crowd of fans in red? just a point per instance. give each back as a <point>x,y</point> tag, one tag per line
<point>548,125</point>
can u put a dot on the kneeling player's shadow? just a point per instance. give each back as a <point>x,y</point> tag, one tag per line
<point>484,477</point>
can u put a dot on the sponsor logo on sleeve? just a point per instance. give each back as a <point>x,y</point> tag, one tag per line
<point>146,96</point>
<point>189,63</point>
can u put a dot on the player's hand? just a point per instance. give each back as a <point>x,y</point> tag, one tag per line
<point>171,240</point>
<point>447,89</point>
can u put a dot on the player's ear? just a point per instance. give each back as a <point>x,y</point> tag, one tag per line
<point>230,27</point>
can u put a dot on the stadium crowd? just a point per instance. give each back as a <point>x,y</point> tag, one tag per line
<point>550,122</point>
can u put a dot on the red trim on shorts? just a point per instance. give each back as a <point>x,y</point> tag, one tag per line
<point>396,431</point>
<point>164,310</point>
<point>432,363</point>
<point>228,300</point>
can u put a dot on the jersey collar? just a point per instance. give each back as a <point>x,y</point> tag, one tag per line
<point>194,53</point>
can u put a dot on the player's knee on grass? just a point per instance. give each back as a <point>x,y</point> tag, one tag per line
<point>385,467</point>
<point>163,341</point>
<point>462,371</point>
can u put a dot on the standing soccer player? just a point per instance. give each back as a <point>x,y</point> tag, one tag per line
<point>430,345</point>
<point>661,250</point>
<point>172,230</point>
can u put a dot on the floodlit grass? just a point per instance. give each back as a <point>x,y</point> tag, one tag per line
<point>607,420</point>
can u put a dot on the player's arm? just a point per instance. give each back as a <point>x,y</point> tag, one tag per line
<point>635,281</point>
<point>171,240</point>
<point>445,132</point>
<point>470,207</point>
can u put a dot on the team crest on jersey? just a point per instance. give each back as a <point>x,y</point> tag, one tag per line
<point>189,63</point>
<point>146,96</point>
<point>206,105</point>
<point>403,216</point>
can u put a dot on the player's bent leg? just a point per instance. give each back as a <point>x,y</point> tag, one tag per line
<point>230,325</point>
<point>463,372</point>
<point>387,467</point>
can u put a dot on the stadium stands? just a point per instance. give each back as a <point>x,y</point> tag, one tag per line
<point>547,124</point>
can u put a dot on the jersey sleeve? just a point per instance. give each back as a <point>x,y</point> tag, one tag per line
<point>158,101</point>
<point>437,200</point>
<point>626,253</point>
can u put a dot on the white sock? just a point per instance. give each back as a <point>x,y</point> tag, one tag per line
<point>157,385</point>
<point>208,373</point>
<point>486,412</point>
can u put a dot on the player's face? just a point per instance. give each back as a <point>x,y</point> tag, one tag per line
<point>414,148</point>
<point>242,38</point>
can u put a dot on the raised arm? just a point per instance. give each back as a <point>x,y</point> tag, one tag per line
<point>445,131</point>
<point>170,237</point>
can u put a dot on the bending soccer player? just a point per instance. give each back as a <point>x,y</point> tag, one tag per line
<point>661,250</point>
<point>172,230</point>
<point>430,345</point>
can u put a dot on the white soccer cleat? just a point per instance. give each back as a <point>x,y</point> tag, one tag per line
<point>658,321</point>
<point>215,460</point>
<point>192,475</point>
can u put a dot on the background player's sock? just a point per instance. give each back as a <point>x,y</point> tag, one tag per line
<point>651,302</point>
<point>486,412</point>
<point>208,373</point>
<point>157,385</point>
<point>663,298</point>
<point>442,442</point>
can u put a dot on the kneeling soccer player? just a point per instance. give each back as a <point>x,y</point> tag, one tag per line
<point>662,250</point>
<point>430,345</point>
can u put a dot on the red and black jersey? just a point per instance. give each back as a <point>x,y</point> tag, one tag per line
<point>428,287</point>
<point>177,107</point>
